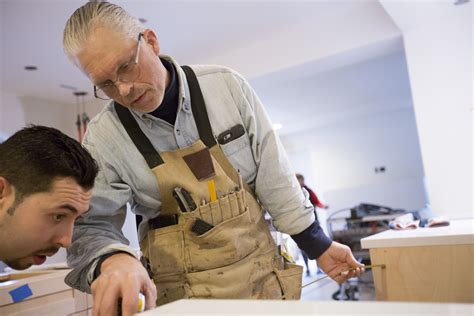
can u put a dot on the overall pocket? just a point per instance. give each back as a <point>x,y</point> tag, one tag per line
<point>170,288</point>
<point>290,281</point>
<point>165,250</point>
<point>224,244</point>
<point>243,279</point>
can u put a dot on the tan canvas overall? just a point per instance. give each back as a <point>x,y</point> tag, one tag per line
<point>237,258</point>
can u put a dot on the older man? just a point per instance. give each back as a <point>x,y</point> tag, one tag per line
<point>194,152</point>
<point>46,179</point>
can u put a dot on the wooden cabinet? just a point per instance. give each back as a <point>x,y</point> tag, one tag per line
<point>424,264</point>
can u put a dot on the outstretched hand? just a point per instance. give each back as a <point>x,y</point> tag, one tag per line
<point>122,277</point>
<point>339,263</point>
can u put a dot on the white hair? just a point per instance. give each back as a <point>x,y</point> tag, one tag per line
<point>93,14</point>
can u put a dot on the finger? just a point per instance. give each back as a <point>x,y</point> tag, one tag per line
<point>341,277</point>
<point>337,273</point>
<point>130,295</point>
<point>355,272</point>
<point>351,261</point>
<point>150,295</point>
<point>109,302</point>
<point>98,288</point>
<point>360,271</point>
<point>130,301</point>
<point>345,275</point>
<point>94,297</point>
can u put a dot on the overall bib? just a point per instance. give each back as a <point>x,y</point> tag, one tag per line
<point>235,257</point>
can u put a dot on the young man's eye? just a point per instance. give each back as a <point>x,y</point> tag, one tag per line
<point>58,217</point>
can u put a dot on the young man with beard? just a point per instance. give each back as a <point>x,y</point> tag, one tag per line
<point>46,179</point>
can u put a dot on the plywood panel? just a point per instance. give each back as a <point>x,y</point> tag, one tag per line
<point>425,273</point>
<point>61,303</point>
<point>40,284</point>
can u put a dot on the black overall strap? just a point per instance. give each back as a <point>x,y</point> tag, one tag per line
<point>199,109</point>
<point>140,140</point>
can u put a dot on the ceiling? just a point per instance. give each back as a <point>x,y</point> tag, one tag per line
<point>287,49</point>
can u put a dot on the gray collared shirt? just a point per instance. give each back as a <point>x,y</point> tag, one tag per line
<point>124,176</point>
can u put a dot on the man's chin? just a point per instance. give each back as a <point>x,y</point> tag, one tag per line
<point>20,264</point>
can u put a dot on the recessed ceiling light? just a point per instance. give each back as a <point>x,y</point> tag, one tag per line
<point>80,93</point>
<point>459,2</point>
<point>142,20</point>
<point>31,68</point>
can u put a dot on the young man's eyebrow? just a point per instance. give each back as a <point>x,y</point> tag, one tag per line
<point>70,208</point>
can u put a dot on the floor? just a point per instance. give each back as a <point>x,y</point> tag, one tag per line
<point>324,289</point>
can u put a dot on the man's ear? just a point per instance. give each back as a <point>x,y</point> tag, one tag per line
<point>6,192</point>
<point>150,38</point>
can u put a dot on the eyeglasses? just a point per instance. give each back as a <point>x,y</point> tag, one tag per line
<point>127,73</point>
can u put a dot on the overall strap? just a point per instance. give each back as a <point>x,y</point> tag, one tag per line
<point>199,108</point>
<point>140,140</point>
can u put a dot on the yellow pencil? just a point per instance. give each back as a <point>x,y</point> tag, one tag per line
<point>212,190</point>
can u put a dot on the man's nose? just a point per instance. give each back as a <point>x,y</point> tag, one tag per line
<point>64,238</point>
<point>124,88</point>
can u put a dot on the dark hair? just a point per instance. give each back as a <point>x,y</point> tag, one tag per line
<point>33,157</point>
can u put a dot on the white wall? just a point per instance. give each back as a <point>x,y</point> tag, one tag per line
<point>438,44</point>
<point>18,111</point>
<point>12,113</point>
<point>338,161</point>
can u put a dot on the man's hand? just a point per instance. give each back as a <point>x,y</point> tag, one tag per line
<point>122,276</point>
<point>337,260</point>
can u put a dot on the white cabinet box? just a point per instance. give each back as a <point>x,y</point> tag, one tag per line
<point>41,293</point>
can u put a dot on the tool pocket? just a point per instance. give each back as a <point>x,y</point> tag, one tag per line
<point>290,280</point>
<point>224,244</point>
<point>170,288</point>
<point>225,208</point>
<point>234,205</point>
<point>243,279</point>
<point>165,250</point>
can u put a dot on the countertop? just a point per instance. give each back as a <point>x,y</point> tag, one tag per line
<point>459,232</point>
<point>291,308</point>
